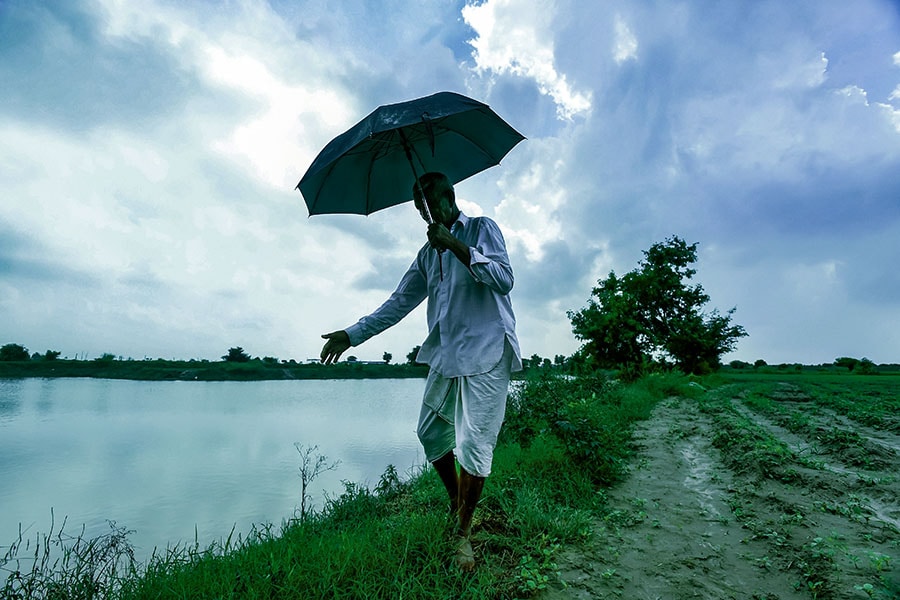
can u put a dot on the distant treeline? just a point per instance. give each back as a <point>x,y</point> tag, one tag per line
<point>194,370</point>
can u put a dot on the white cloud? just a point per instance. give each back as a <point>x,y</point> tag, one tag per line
<point>289,86</point>
<point>516,37</point>
<point>854,92</point>
<point>625,43</point>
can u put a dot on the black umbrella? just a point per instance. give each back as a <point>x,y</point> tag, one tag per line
<point>375,163</point>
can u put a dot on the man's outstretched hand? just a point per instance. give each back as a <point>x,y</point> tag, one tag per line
<point>337,342</point>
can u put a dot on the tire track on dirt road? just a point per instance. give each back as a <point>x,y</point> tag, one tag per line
<point>669,532</point>
<point>876,493</point>
<point>721,503</point>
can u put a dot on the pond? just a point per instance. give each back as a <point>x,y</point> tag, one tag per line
<point>174,460</point>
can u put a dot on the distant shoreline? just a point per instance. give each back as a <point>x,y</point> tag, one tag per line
<point>193,370</point>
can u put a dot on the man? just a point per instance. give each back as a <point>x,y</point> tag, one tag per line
<point>471,347</point>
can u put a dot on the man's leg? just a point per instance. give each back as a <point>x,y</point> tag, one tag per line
<point>470,487</point>
<point>481,405</point>
<point>446,469</point>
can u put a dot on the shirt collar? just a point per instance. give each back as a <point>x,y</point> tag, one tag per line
<point>462,220</point>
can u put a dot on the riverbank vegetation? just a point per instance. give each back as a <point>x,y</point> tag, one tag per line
<point>109,367</point>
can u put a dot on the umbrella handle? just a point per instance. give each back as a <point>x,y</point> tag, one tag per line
<point>408,151</point>
<point>428,217</point>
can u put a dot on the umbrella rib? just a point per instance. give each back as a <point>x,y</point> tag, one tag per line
<point>373,156</point>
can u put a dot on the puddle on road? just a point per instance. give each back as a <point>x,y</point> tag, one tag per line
<point>885,513</point>
<point>699,478</point>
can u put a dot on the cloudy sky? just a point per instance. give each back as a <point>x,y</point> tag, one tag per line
<point>149,153</point>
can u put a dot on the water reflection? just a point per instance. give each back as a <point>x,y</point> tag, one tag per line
<point>163,457</point>
<point>10,399</point>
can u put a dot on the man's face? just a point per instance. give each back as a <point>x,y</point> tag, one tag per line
<point>442,210</point>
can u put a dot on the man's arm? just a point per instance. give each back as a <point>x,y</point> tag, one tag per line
<point>409,293</point>
<point>487,261</point>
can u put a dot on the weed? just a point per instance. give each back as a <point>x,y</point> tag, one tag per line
<point>312,465</point>
<point>880,562</point>
<point>536,569</point>
<point>62,566</point>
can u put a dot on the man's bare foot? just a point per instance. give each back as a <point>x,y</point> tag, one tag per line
<point>465,556</point>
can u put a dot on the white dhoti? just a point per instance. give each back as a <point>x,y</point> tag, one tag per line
<point>465,414</point>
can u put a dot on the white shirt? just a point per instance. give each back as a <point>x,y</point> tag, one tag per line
<point>469,313</point>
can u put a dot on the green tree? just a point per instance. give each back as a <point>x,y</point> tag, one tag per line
<point>14,352</point>
<point>386,357</point>
<point>652,315</point>
<point>236,354</point>
<point>866,367</point>
<point>846,361</point>
<point>51,354</point>
<point>411,357</point>
<point>532,363</point>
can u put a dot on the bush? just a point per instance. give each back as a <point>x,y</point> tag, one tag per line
<point>590,417</point>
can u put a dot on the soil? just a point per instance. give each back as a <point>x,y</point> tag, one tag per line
<point>698,518</point>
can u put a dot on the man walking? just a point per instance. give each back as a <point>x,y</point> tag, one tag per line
<point>471,348</point>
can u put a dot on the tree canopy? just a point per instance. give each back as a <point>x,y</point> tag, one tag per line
<point>652,314</point>
<point>411,357</point>
<point>14,352</point>
<point>236,354</point>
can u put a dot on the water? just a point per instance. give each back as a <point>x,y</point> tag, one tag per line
<point>171,460</point>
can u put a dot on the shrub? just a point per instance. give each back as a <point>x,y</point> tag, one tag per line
<point>590,417</point>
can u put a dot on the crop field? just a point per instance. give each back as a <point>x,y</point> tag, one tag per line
<point>757,487</point>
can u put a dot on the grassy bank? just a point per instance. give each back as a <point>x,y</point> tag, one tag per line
<point>194,370</point>
<point>563,442</point>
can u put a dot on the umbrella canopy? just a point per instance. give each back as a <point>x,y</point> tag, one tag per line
<point>375,163</point>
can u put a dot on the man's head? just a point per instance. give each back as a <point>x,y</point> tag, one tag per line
<point>440,196</point>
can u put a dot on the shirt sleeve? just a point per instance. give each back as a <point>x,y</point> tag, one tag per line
<point>409,294</point>
<point>490,262</point>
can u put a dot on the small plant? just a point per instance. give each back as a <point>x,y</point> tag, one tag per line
<point>533,571</point>
<point>880,562</point>
<point>311,466</point>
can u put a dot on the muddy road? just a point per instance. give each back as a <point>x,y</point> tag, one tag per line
<point>751,491</point>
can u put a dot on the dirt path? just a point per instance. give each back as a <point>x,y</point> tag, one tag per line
<point>704,515</point>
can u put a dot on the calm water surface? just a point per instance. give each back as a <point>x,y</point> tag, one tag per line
<point>167,458</point>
